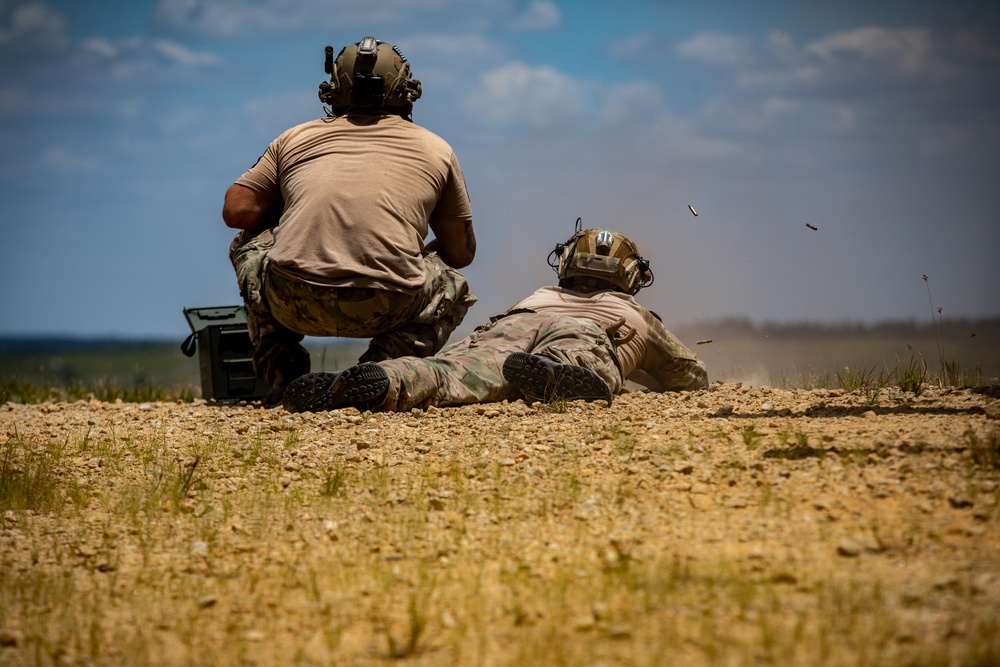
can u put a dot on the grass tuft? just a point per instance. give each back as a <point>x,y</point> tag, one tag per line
<point>985,450</point>
<point>911,376</point>
<point>28,479</point>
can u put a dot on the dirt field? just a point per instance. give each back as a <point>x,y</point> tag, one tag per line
<point>732,526</point>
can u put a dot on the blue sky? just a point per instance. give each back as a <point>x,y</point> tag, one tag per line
<point>122,125</point>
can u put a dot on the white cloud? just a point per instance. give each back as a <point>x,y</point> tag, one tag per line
<point>134,57</point>
<point>632,47</point>
<point>246,18</point>
<point>443,62</point>
<point>681,140</point>
<point>242,18</point>
<point>713,48</point>
<point>538,15</point>
<point>101,47</point>
<point>460,49</point>
<point>63,159</point>
<point>538,97</point>
<point>908,49</point>
<point>779,78</point>
<point>32,22</point>
<point>184,56</point>
<point>624,103</point>
<point>637,127</point>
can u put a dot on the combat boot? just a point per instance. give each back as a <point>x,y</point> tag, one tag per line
<point>540,378</point>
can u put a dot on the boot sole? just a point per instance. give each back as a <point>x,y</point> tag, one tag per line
<point>363,386</point>
<point>543,379</point>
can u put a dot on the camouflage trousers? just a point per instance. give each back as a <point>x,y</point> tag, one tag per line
<point>471,370</point>
<point>281,311</point>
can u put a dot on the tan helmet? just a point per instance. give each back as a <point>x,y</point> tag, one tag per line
<point>369,75</point>
<point>600,255</point>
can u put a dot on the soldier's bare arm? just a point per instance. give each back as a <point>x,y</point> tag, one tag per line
<point>454,241</point>
<point>245,208</point>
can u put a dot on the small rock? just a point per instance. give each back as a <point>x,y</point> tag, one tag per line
<point>960,502</point>
<point>983,582</point>
<point>947,584</point>
<point>849,548</point>
<point>11,637</point>
<point>206,601</point>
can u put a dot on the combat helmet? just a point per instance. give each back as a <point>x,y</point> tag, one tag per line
<point>369,74</point>
<point>599,259</point>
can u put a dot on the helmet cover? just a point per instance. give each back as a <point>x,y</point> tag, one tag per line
<point>369,74</point>
<point>605,255</point>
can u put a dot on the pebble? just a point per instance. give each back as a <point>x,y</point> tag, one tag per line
<point>206,601</point>
<point>11,638</point>
<point>960,502</point>
<point>849,548</point>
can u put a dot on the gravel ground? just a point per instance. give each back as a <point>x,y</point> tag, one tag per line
<point>732,525</point>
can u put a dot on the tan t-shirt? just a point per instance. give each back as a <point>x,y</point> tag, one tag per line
<point>645,344</point>
<point>358,192</point>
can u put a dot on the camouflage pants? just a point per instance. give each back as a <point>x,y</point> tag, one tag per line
<point>282,311</point>
<point>470,370</point>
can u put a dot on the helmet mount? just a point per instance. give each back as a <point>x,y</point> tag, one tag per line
<point>369,75</point>
<point>600,259</point>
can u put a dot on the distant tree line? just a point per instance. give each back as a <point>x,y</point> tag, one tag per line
<point>985,329</point>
